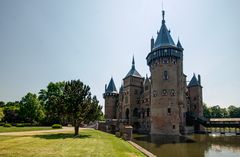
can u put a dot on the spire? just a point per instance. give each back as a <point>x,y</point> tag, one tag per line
<point>133,62</point>
<point>179,45</point>
<point>133,71</point>
<point>163,15</point>
<point>111,87</point>
<point>164,38</point>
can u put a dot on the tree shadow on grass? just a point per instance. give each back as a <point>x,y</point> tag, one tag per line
<point>62,136</point>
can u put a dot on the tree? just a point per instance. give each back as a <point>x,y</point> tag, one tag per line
<point>77,96</point>
<point>234,112</point>
<point>11,112</point>
<point>79,104</point>
<point>30,108</point>
<point>1,114</point>
<point>206,111</point>
<point>53,103</point>
<point>2,104</point>
<point>95,111</point>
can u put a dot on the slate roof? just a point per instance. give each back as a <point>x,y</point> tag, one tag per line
<point>193,82</point>
<point>164,38</point>
<point>179,45</point>
<point>133,71</point>
<point>111,87</point>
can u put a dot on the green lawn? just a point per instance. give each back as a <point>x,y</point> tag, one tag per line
<point>17,129</point>
<point>90,143</point>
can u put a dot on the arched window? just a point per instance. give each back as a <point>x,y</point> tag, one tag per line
<point>127,113</point>
<point>148,112</point>
<point>165,75</point>
<point>135,112</point>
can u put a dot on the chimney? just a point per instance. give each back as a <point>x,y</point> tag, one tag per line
<point>199,79</point>
<point>152,43</point>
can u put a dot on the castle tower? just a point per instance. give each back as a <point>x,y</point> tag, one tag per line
<point>167,83</point>
<point>133,83</point>
<point>111,100</point>
<point>195,94</point>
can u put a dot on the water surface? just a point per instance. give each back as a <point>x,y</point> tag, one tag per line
<point>213,145</point>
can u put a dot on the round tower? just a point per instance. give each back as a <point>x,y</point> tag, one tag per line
<point>167,83</point>
<point>111,100</point>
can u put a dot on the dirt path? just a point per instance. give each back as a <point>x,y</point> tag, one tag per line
<point>37,132</point>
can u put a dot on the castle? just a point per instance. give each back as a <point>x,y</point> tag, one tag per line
<point>157,104</point>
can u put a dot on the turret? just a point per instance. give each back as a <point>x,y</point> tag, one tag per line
<point>133,84</point>
<point>165,63</point>
<point>111,97</point>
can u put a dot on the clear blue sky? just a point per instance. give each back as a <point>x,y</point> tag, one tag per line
<point>55,40</point>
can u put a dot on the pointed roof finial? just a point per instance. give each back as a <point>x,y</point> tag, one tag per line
<point>133,62</point>
<point>163,14</point>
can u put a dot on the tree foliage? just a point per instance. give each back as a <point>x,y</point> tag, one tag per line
<point>53,103</point>
<point>218,112</point>
<point>30,108</point>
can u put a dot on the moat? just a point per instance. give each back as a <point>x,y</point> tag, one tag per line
<point>213,145</point>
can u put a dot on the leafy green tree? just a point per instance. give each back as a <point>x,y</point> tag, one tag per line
<point>77,96</point>
<point>11,112</point>
<point>95,111</point>
<point>234,112</point>
<point>30,108</point>
<point>1,114</point>
<point>53,103</point>
<point>2,104</point>
<point>206,111</point>
<point>80,106</point>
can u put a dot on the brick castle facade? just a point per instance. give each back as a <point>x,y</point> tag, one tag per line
<point>157,104</point>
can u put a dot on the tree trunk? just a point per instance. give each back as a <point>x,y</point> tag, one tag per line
<point>76,127</point>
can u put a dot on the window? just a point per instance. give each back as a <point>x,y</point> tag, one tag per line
<point>172,92</point>
<point>148,112</point>
<point>169,110</point>
<point>174,61</point>
<point>143,113</point>
<point>126,99</point>
<point>165,75</point>
<point>154,93</point>
<point>164,92</point>
<point>173,126</point>
<point>165,61</point>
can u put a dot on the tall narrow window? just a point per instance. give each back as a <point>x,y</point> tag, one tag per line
<point>165,75</point>
<point>148,112</point>
<point>172,92</point>
<point>169,110</point>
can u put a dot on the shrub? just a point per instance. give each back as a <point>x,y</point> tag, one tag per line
<point>19,125</point>
<point>7,125</point>
<point>56,126</point>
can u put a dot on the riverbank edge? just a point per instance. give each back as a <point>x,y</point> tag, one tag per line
<point>141,149</point>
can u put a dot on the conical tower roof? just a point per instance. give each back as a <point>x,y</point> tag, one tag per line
<point>111,88</point>
<point>133,71</point>
<point>194,82</point>
<point>164,38</point>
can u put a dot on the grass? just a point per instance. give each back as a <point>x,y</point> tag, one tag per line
<point>90,143</point>
<point>18,129</point>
